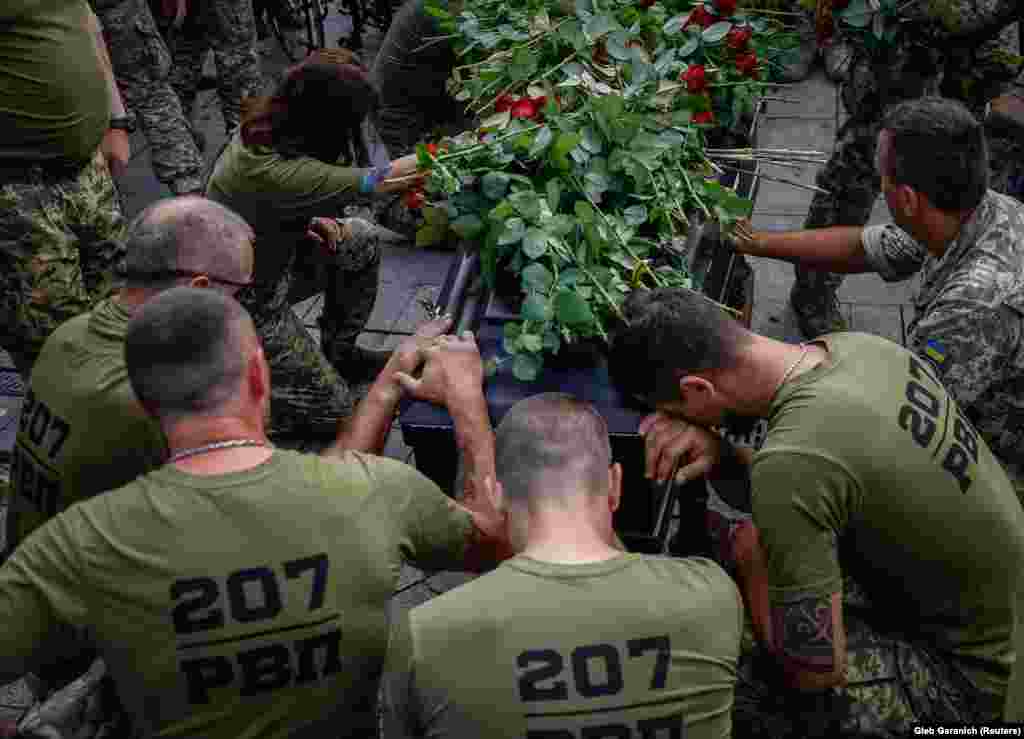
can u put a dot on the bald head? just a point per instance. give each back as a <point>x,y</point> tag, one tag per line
<point>187,351</point>
<point>187,234</point>
<point>551,444</point>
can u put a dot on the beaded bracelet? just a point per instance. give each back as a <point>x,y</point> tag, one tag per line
<point>372,178</point>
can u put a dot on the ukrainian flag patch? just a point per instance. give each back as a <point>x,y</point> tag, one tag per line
<point>936,352</point>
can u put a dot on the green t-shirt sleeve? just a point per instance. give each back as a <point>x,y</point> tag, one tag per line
<point>433,531</point>
<point>40,596</point>
<point>801,506</point>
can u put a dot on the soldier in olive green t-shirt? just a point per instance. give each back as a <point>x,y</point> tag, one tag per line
<point>883,556</point>
<point>572,638</point>
<point>242,590</point>
<point>82,431</point>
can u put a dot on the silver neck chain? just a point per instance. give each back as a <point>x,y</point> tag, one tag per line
<point>214,446</point>
<point>795,364</point>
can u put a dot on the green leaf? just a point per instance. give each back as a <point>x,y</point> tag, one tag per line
<point>495,185</point>
<point>527,203</point>
<point>552,341</point>
<point>536,307</point>
<point>857,14</point>
<point>526,367</point>
<point>554,192</point>
<point>617,48</point>
<point>560,224</point>
<point>429,235</point>
<point>584,212</point>
<point>497,121</point>
<point>675,23</point>
<point>515,228</point>
<point>435,216</point>
<point>531,342</point>
<point>599,25</point>
<point>596,184</point>
<point>591,140</point>
<point>535,243</point>
<point>716,32</point>
<point>511,335</point>
<point>565,143</point>
<point>572,310</point>
<point>468,226</point>
<point>541,141</point>
<point>537,277</point>
<point>568,277</point>
<point>635,215</point>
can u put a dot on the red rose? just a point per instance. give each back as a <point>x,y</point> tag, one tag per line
<point>695,78</point>
<point>746,64</point>
<point>647,3</point>
<point>726,7</point>
<point>701,17</point>
<point>432,149</point>
<point>524,108</point>
<point>705,116</point>
<point>503,103</point>
<point>414,199</point>
<point>738,38</point>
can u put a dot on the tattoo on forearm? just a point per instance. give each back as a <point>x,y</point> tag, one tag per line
<point>804,634</point>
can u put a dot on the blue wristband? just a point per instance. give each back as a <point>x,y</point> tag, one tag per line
<point>373,178</point>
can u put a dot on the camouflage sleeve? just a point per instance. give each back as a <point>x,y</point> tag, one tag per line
<point>967,337</point>
<point>892,252</point>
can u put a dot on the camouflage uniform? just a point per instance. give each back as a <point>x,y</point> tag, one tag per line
<point>969,317</point>
<point>414,100</point>
<point>141,63</point>
<point>914,69</point>
<point>308,394</point>
<point>61,240</point>
<point>893,682</point>
<point>228,27</point>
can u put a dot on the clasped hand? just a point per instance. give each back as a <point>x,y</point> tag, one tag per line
<point>670,441</point>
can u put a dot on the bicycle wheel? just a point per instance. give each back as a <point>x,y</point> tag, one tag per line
<point>282,18</point>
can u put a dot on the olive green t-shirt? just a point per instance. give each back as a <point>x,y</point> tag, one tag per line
<point>247,604</point>
<point>278,195</point>
<point>633,646</point>
<point>870,469</point>
<point>81,430</point>
<point>54,98</point>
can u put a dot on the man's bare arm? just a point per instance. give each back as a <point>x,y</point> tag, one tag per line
<point>367,430</point>
<point>836,249</point>
<point>117,105</point>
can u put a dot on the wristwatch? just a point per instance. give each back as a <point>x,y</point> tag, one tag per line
<point>123,123</point>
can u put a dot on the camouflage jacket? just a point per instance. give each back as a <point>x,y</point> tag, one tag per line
<point>969,316</point>
<point>921,56</point>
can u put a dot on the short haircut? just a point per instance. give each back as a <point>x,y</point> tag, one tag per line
<point>939,149</point>
<point>185,351</point>
<point>548,437</point>
<point>184,233</point>
<point>669,333</point>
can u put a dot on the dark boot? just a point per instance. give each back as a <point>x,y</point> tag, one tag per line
<point>349,297</point>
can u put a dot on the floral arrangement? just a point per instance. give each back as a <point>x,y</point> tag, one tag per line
<point>592,156</point>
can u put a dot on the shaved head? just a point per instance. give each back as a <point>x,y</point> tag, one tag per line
<point>191,234</point>
<point>551,444</point>
<point>187,351</point>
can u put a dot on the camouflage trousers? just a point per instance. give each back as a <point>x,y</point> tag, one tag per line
<point>142,64</point>
<point>892,683</point>
<point>61,242</point>
<point>311,389</point>
<point>849,177</point>
<point>228,28</point>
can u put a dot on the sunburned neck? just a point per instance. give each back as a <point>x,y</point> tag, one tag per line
<point>199,433</point>
<point>564,540</point>
<point>766,365</point>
